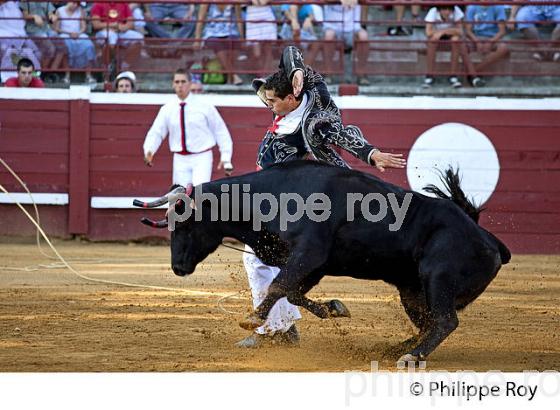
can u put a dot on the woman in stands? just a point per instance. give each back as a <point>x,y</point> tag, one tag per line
<point>224,23</point>
<point>71,25</point>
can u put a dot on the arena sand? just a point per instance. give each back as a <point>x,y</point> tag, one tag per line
<point>51,320</point>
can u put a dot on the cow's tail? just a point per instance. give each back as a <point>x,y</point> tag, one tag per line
<point>452,183</point>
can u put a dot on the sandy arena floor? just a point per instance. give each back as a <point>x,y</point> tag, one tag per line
<point>51,320</point>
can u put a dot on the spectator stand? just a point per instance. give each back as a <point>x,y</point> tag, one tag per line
<point>394,62</point>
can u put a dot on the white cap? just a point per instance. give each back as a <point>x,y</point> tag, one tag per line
<point>127,74</point>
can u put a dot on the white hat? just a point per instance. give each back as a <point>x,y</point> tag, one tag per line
<point>127,74</point>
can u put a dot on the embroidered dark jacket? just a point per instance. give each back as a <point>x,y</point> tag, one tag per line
<point>321,125</point>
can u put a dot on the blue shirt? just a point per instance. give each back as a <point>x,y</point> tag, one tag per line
<point>485,13</point>
<point>224,24</point>
<point>303,11</point>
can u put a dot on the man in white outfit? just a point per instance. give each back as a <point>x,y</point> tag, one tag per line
<point>280,323</point>
<point>194,128</point>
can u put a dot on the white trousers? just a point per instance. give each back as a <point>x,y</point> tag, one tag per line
<point>192,169</point>
<point>283,314</point>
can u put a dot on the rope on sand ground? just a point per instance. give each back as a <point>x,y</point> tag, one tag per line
<point>64,263</point>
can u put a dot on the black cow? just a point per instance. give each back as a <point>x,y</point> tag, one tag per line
<point>440,259</point>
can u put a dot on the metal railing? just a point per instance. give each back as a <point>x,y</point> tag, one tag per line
<point>380,55</point>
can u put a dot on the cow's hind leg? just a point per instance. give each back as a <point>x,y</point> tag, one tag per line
<point>442,316</point>
<point>416,308</point>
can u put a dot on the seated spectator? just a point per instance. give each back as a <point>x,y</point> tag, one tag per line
<point>300,23</point>
<point>71,25</point>
<point>526,16</point>
<point>342,22</point>
<point>16,45</point>
<point>25,76</point>
<point>196,85</point>
<point>224,23</point>
<point>39,16</point>
<point>399,29</point>
<point>443,27</point>
<point>113,22</point>
<point>487,34</point>
<point>157,12</point>
<point>260,25</point>
<point>125,82</point>
<point>138,17</point>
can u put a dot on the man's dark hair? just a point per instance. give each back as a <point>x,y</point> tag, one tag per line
<point>182,71</point>
<point>25,62</point>
<point>281,85</point>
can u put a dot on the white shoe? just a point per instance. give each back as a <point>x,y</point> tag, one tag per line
<point>428,82</point>
<point>454,82</point>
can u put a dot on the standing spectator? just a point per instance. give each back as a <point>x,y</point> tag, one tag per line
<point>444,26</point>
<point>157,12</point>
<point>71,25</point>
<point>38,17</point>
<point>261,25</point>
<point>113,22</point>
<point>342,22</point>
<point>486,26</point>
<point>25,76</point>
<point>194,127</point>
<point>526,18</point>
<point>125,82</point>
<point>224,23</point>
<point>15,45</point>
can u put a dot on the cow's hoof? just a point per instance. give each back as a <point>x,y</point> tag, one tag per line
<point>409,360</point>
<point>251,322</point>
<point>409,344</point>
<point>337,309</point>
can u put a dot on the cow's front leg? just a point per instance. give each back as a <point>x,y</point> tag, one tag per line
<point>331,309</point>
<point>301,262</point>
<point>258,317</point>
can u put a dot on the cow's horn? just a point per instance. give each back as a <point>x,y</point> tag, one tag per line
<point>154,224</point>
<point>161,201</point>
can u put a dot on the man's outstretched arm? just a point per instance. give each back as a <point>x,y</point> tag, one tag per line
<point>351,139</point>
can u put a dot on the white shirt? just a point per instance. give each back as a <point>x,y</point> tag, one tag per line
<point>11,27</point>
<point>290,123</point>
<point>434,16</point>
<point>203,128</point>
<point>342,19</point>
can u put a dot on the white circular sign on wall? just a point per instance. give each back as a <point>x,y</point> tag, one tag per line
<point>460,146</point>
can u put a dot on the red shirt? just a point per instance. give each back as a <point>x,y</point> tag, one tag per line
<point>14,82</point>
<point>111,12</point>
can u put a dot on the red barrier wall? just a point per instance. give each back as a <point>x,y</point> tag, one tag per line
<point>96,150</point>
